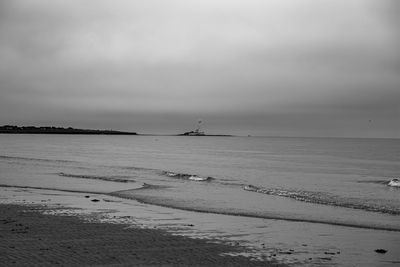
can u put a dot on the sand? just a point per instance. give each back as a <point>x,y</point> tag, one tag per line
<point>29,237</point>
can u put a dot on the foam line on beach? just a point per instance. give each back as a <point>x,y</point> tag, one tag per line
<point>164,202</point>
<point>48,188</point>
<point>168,203</point>
<point>63,190</point>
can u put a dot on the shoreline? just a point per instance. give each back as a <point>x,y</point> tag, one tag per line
<point>265,243</point>
<point>31,237</point>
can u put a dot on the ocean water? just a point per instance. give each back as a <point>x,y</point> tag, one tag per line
<point>337,183</point>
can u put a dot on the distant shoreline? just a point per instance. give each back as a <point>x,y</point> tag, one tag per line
<point>9,129</point>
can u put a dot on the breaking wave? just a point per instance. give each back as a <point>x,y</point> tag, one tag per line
<point>395,182</point>
<point>184,176</point>
<point>324,199</point>
<point>118,179</point>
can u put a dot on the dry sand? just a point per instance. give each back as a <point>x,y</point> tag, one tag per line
<point>29,237</point>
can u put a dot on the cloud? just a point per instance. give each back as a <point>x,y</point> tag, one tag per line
<point>277,61</point>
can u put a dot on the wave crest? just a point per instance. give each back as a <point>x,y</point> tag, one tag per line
<point>394,182</point>
<point>118,179</point>
<point>184,176</point>
<point>324,199</point>
<point>36,159</point>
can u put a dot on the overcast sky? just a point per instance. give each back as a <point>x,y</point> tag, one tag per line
<point>277,67</point>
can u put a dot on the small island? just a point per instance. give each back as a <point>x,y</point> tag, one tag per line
<point>11,129</point>
<point>199,132</point>
<point>196,133</point>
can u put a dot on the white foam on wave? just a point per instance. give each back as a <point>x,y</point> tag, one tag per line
<point>394,182</point>
<point>198,178</point>
<point>326,198</point>
<point>191,177</point>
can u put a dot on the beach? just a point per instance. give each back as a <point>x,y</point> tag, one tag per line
<point>219,201</point>
<point>31,238</point>
<point>200,133</point>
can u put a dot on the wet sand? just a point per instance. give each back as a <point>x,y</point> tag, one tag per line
<point>29,237</point>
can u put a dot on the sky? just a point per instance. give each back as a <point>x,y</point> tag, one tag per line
<point>245,67</point>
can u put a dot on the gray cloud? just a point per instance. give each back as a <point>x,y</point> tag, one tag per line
<point>265,67</point>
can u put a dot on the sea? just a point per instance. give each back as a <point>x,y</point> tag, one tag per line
<point>301,201</point>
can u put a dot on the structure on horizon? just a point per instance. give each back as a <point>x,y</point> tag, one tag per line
<point>196,132</point>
